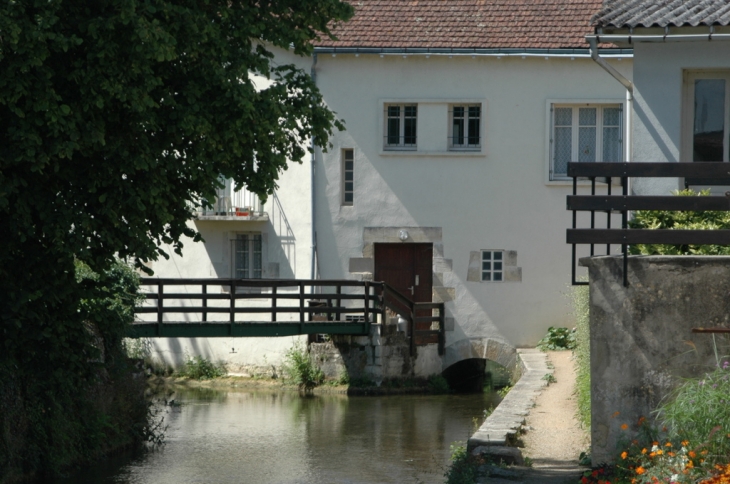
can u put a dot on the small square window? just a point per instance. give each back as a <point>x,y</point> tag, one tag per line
<point>492,265</point>
<point>348,176</point>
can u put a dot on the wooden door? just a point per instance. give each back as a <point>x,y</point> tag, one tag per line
<point>407,268</point>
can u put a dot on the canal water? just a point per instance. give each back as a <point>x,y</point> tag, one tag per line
<point>260,437</point>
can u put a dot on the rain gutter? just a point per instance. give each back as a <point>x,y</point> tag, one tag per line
<point>313,74</point>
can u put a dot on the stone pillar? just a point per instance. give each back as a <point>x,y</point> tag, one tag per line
<point>641,335</point>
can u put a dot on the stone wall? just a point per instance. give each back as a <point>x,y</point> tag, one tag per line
<point>641,335</point>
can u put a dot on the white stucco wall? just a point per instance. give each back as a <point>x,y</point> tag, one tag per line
<point>287,242</point>
<point>658,79</point>
<point>498,199</point>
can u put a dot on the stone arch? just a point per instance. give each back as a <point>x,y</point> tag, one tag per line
<point>485,348</point>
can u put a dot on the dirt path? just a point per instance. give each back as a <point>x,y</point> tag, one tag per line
<point>554,439</point>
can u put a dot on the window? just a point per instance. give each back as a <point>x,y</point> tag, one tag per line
<point>465,129</point>
<point>707,112</point>
<point>348,176</point>
<point>492,270</point>
<point>248,256</point>
<point>585,133</point>
<point>400,126</point>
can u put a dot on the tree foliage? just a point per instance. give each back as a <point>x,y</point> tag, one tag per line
<point>116,119</point>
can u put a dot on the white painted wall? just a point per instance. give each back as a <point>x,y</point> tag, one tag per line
<point>658,80</point>
<point>287,234</point>
<point>498,199</point>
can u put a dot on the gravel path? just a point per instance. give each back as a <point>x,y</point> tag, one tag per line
<point>554,439</point>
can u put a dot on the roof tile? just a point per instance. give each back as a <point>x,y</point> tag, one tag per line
<point>662,13</point>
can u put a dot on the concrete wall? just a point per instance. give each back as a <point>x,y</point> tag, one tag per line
<point>641,335</point>
<point>658,78</point>
<point>498,198</point>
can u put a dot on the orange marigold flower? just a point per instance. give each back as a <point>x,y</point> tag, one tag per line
<point>643,451</point>
<point>640,470</point>
<point>652,454</point>
<point>668,444</point>
<point>624,426</point>
<point>642,420</point>
<point>671,454</point>
<point>685,443</point>
<point>692,454</point>
<point>659,452</point>
<point>624,454</point>
<point>615,414</point>
<point>655,443</point>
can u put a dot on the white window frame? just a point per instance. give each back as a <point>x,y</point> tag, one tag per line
<point>251,254</point>
<point>401,145</point>
<point>347,155</point>
<point>453,145</point>
<point>559,179</point>
<point>491,268</point>
<point>690,76</point>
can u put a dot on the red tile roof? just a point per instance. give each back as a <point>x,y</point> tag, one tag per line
<point>518,24</point>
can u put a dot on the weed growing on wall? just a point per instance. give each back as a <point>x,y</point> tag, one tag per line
<point>200,368</point>
<point>300,369</point>
<point>557,339</point>
<point>579,299</point>
<point>463,468</point>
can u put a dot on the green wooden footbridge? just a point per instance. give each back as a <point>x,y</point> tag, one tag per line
<point>208,307</point>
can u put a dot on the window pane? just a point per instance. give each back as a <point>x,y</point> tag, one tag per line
<point>348,197</point>
<point>393,131</point>
<point>242,257</point>
<point>611,145</point>
<point>611,116</point>
<point>474,111</point>
<point>586,144</point>
<point>563,116</point>
<point>587,116</point>
<point>473,131</point>
<point>257,261</point>
<point>458,111</point>
<point>497,266</point>
<point>497,256</point>
<point>486,255</point>
<point>394,111</point>
<point>348,186</point>
<point>458,131</point>
<point>562,150</point>
<point>486,276</point>
<point>709,122</point>
<point>410,111</point>
<point>409,131</point>
<point>497,276</point>
<point>348,164</point>
<point>348,176</point>
<point>486,266</point>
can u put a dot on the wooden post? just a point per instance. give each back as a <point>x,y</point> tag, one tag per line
<point>412,331</point>
<point>205,302</point>
<point>273,303</point>
<point>367,306</point>
<point>338,302</point>
<point>232,310</point>
<point>301,308</point>
<point>442,329</point>
<point>160,291</point>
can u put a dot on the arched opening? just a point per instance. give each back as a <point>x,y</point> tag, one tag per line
<point>474,375</point>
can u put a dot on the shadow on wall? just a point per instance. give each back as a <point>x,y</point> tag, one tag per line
<point>282,242</point>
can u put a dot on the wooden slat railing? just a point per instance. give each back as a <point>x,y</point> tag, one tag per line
<point>693,173</point>
<point>412,312</point>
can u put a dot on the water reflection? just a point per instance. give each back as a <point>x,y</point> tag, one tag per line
<point>277,437</point>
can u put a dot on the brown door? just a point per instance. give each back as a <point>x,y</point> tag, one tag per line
<point>407,268</point>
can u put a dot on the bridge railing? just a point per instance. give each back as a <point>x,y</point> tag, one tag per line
<point>279,307</point>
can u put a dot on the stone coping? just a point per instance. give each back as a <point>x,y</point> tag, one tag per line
<point>505,421</point>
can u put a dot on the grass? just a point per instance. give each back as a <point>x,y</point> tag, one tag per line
<point>200,368</point>
<point>300,369</point>
<point>579,299</point>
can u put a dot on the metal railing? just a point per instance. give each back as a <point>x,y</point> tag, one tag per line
<point>240,203</point>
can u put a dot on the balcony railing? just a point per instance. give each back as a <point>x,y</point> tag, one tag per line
<point>230,203</point>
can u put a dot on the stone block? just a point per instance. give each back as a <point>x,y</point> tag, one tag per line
<point>362,264</point>
<point>368,250</point>
<point>513,274</point>
<point>495,453</point>
<point>442,265</point>
<point>474,273</point>
<point>438,279</point>
<point>443,294</point>
<point>372,234</point>
<point>510,258</point>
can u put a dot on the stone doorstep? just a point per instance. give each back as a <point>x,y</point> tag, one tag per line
<point>509,416</point>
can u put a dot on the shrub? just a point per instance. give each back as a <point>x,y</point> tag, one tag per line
<point>699,412</point>
<point>664,219</point>
<point>463,469</point>
<point>557,339</point>
<point>300,369</point>
<point>199,368</point>
<point>438,384</point>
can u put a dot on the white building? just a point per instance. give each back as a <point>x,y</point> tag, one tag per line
<point>449,182</point>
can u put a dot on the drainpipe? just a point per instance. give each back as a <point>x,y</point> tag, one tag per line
<point>593,43</point>
<point>313,74</point>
